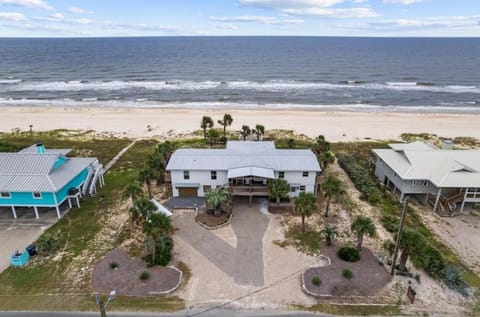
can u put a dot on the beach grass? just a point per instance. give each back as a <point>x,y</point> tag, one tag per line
<point>82,143</point>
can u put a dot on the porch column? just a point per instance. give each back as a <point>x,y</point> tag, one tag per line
<point>78,202</point>
<point>36,211</point>
<point>437,200</point>
<point>69,203</point>
<point>463,202</point>
<point>426,199</point>
<point>58,212</point>
<point>401,196</point>
<point>14,212</point>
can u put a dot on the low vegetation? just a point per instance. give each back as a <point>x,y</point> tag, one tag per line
<point>348,254</point>
<point>428,253</point>
<point>347,273</point>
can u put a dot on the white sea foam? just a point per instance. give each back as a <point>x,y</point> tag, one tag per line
<point>268,86</point>
<point>10,81</point>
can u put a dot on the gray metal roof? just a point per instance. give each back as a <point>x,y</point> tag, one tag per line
<point>32,172</point>
<point>443,168</point>
<point>238,154</point>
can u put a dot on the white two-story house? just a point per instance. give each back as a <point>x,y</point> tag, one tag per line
<point>245,167</point>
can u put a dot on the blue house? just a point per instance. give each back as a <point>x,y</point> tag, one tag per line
<point>37,178</point>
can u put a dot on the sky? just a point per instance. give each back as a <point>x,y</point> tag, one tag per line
<point>89,18</point>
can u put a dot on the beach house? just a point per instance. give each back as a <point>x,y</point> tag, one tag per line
<point>37,177</point>
<point>245,167</point>
<point>445,178</point>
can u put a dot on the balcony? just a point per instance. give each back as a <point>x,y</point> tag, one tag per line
<point>249,190</point>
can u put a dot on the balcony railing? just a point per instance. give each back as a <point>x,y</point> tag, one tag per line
<point>249,190</point>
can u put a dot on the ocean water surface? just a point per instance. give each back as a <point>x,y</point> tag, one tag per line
<point>384,74</point>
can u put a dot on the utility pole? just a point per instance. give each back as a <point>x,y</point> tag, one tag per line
<point>399,235</point>
<point>103,304</point>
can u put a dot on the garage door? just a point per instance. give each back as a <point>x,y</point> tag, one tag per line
<point>187,192</point>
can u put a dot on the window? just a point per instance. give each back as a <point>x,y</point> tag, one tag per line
<point>186,174</point>
<point>207,188</point>
<point>293,189</point>
<point>302,188</point>
<point>37,195</point>
<point>5,195</point>
<point>213,175</point>
<point>281,174</point>
<point>420,183</point>
<point>305,174</point>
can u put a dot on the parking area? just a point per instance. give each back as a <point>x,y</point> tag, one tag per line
<point>17,234</point>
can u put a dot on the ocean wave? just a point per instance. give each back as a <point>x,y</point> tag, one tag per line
<point>266,86</point>
<point>460,107</point>
<point>10,81</point>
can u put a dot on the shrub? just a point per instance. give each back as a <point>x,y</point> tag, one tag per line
<point>163,252</point>
<point>453,279</point>
<point>316,280</point>
<point>389,246</point>
<point>360,176</point>
<point>348,254</point>
<point>47,244</point>
<point>145,275</point>
<point>390,222</point>
<point>347,273</point>
<point>113,265</point>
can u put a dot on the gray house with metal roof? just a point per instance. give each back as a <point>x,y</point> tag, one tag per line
<point>46,178</point>
<point>446,178</point>
<point>245,167</point>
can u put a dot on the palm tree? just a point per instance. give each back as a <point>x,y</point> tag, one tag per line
<point>278,189</point>
<point>362,225</point>
<point>207,122</point>
<point>163,247</point>
<point>324,154</point>
<point>212,137</point>
<point>411,242</point>
<point>330,233</point>
<point>154,226</point>
<point>142,208</point>
<point>259,131</point>
<point>156,162</point>
<point>132,191</point>
<point>332,187</point>
<point>217,198</point>
<point>146,175</point>
<point>305,205</point>
<point>246,131</point>
<point>227,121</point>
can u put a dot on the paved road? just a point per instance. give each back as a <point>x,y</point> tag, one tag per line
<point>214,313</point>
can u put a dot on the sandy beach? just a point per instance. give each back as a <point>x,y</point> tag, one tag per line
<point>336,126</point>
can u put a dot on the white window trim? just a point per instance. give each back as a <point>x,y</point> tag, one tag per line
<point>303,174</point>
<point>40,197</point>
<point>185,174</point>
<point>211,175</point>
<point>6,197</point>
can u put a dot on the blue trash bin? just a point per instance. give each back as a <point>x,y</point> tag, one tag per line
<point>32,249</point>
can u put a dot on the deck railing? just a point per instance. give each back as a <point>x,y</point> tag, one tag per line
<point>249,190</point>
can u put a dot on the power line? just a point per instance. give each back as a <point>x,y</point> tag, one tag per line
<point>273,284</point>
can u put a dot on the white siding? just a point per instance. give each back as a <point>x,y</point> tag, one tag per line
<point>198,177</point>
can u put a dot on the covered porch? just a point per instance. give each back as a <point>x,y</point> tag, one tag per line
<point>249,182</point>
<point>453,200</point>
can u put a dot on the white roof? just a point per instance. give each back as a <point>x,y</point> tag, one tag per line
<point>160,208</point>
<point>250,171</point>
<point>261,155</point>
<point>34,172</point>
<point>443,168</point>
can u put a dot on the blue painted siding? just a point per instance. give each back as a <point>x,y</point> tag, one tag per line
<point>75,182</point>
<point>26,199</point>
<point>59,162</point>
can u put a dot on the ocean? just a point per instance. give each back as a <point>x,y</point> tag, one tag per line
<point>364,74</point>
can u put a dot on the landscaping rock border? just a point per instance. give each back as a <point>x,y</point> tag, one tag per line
<point>214,227</point>
<point>173,289</point>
